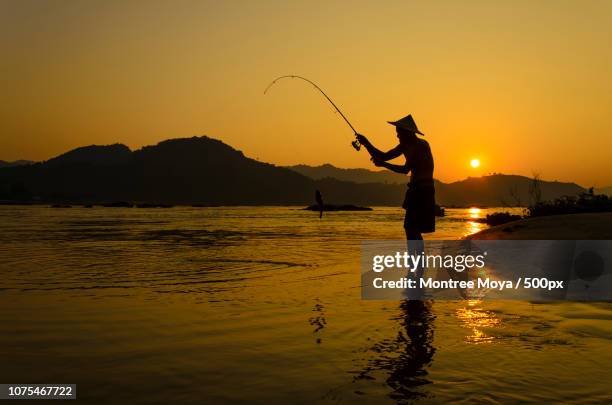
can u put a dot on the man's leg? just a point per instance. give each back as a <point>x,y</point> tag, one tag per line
<point>413,236</point>
<point>412,233</point>
<point>416,247</point>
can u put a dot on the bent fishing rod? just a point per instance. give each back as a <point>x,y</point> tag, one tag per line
<point>355,143</point>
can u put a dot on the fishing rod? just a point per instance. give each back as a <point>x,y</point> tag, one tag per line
<point>355,143</point>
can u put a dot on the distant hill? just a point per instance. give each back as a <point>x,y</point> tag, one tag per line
<point>206,171</point>
<point>188,170</point>
<point>604,190</point>
<point>94,155</point>
<point>501,189</point>
<point>492,190</point>
<point>4,163</point>
<point>353,175</point>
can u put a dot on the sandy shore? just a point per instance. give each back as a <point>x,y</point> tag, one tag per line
<point>558,227</point>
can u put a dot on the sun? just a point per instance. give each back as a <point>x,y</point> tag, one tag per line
<point>475,163</point>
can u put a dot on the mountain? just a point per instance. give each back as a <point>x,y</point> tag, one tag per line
<point>188,170</point>
<point>4,163</point>
<point>501,189</point>
<point>604,190</point>
<point>352,175</point>
<point>492,190</point>
<point>207,171</point>
<point>108,155</point>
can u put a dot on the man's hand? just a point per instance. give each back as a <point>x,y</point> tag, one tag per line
<point>362,139</point>
<point>378,162</point>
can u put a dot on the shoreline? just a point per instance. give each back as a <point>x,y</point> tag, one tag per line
<point>589,226</point>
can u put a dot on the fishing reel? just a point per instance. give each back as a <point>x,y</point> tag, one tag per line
<point>356,145</point>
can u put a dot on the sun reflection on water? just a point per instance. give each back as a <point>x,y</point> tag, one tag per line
<point>477,320</point>
<point>473,226</point>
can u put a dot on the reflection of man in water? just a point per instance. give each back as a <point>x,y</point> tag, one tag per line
<point>406,357</point>
<point>419,202</point>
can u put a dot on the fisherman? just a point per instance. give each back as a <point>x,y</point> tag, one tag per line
<point>419,201</point>
<point>319,199</point>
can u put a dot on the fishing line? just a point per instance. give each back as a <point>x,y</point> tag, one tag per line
<point>355,143</point>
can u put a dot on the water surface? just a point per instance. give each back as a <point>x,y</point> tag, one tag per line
<point>263,304</point>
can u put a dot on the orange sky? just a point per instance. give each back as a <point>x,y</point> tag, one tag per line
<point>523,86</point>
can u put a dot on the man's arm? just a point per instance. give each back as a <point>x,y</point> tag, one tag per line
<point>378,154</point>
<point>404,169</point>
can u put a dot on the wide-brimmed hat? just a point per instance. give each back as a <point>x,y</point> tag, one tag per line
<point>407,123</point>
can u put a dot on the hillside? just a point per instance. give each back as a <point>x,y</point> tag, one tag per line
<point>4,163</point>
<point>352,175</point>
<point>188,170</point>
<point>604,190</point>
<point>207,171</point>
<point>501,189</point>
<point>493,190</point>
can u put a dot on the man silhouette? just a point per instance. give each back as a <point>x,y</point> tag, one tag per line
<point>419,202</point>
<point>320,205</point>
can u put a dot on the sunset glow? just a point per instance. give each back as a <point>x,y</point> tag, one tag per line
<point>474,212</point>
<point>106,77</point>
<point>306,201</point>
